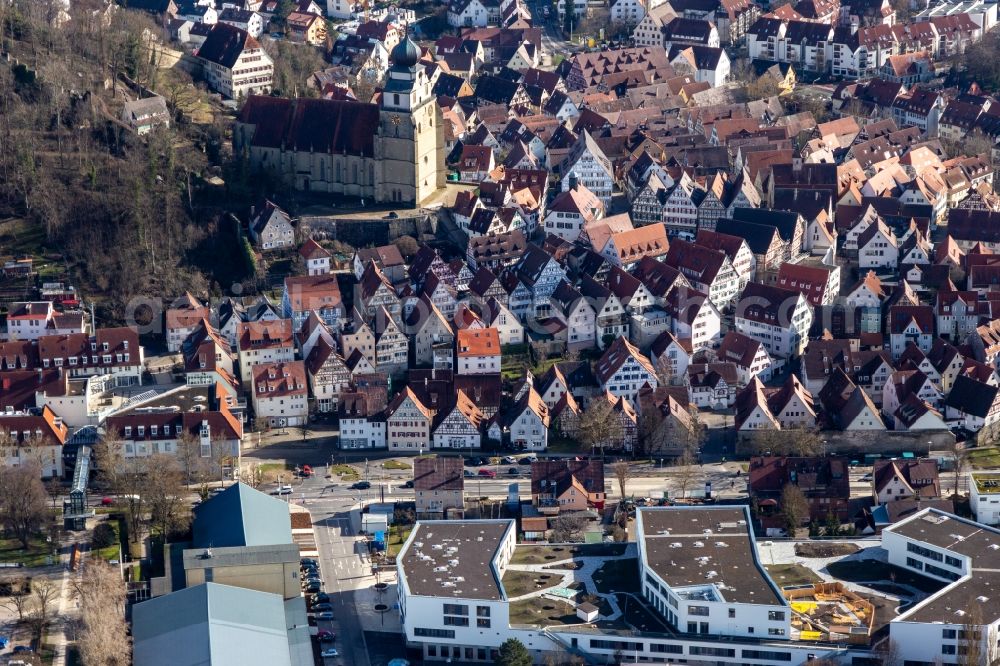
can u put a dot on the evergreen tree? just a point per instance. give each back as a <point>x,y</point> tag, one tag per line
<point>513,653</point>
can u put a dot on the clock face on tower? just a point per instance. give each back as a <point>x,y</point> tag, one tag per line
<point>395,119</point>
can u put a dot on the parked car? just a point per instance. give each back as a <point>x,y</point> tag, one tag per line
<point>329,652</point>
<point>308,560</point>
<point>513,471</point>
<point>468,473</point>
<point>311,588</point>
<point>306,470</point>
<point>320,597</point>
<point>325,615</point>
<point>527,460</point>
<point>319,608</point>
<point>107,501</point>
<point>361,485</point>
<point>326,636</point>
<point>282,490</point>
<point>22,649</point>
<point>488,473</point>
<point>508,460</point>
<point>408,484</point>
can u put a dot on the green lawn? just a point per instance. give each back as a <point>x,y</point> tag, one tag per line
<point>346,472</point>
<point>547,554</point>
<point>518,583</point>
<point>618,576</point>
<point>395,464</point>
<point>984,457</point>
<point>34,556</point>
<point>398,534</point>
<point>788,575</point>
<point>112,552</point>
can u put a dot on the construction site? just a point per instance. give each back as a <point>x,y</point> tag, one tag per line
<point>830,612</point>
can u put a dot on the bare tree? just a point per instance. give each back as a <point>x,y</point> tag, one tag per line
<point>19,600</point>
<point>568,529</point>
<point>44,593</point>
<point>623,472</point>
<point>23,506</point>
<point>165,497</point>
<point>599,424</point>
<point>685,471</point>
<point>125,475</point>
<point>787,442</point>
<point>794,507</point>
<point>103,639</point>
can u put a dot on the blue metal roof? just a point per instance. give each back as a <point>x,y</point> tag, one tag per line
<point>241,516</point>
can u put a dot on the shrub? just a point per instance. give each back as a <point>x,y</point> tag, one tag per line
<point>104,536</point>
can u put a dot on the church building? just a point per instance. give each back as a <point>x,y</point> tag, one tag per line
<point>392,151</point>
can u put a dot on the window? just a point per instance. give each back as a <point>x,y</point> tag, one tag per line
<point>702,650</point>
<point>948,649</point>
<point>700,611</point>
<point>949,634</point>
<point>776,616</point>
<point>775,632</point>
<point>433,633</point>
<point>451,621</point>
<point>732,612</point>
<point>482,611</point>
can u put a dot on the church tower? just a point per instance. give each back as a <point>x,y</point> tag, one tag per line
<point>410,143</point>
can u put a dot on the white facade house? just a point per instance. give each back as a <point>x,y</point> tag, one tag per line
<point>587,165</point>
<point>235,64</point>
<point>358,430</point>
<point>779,318</point>
<point>281,393</point>
<point>462,427</point>
<point>528,423</point>
<point>941,628</point>
<point>623,370</point>
<point>477,351</point>
<point>408,425</point>
<point>984,497</point>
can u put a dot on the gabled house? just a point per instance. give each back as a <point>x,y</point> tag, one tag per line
<point>749,355</point>
<point>975,406</point>
<point>376,292</point>
<point>391,346</point>
<point>499,316</point>
<point>439,488</point>
<point>264,342</point>
<point>910,324</point>
<point>328,376</point>
<point>461,426</point>
<point>182,317</point>
<point>270,227</point>
<point>432,335</point>
<point>577,314</point>
<point>234,62</point>
<point>779,318</point>
<point>623,370</point>
<point>707,270</point>
<point>567,485</point>
<point>905,479</point>
<point>819,284</point>
<point>281,393</point>
<point>477,351</point>
<point>526,424</point>
<point>792,405</point>
<point>316,257</point>
<point>408,423</point>
<point>587,164</point>
<point>712,385</point>
<point>670,357</point>
<point>847,406</point>
<point>312,293</point>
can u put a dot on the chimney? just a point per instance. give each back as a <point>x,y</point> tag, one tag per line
<point>796,165</point>
<point>6,382</point>
<point>573,181</point>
